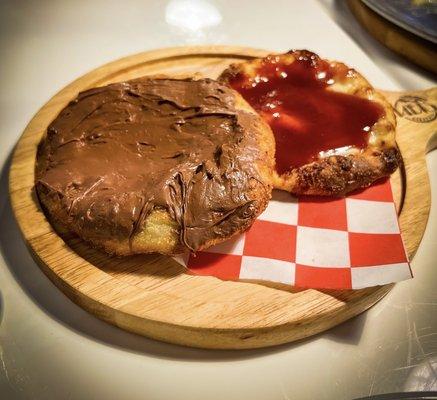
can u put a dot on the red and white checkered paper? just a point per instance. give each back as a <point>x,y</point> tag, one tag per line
<point>345,243</point>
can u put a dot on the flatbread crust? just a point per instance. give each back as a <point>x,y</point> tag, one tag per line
<point>70,201</point>
<point>336,175</point>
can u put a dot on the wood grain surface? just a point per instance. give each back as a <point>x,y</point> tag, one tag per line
<point>151,294</point>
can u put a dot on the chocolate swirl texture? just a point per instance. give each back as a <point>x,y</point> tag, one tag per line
<point>117,153</point>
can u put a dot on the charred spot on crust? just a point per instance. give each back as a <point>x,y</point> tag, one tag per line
<point>391,159</point>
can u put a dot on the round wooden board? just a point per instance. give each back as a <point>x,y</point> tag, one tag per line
<point>151,294</point>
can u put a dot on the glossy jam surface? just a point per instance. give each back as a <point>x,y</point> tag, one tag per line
<point>306,118</point>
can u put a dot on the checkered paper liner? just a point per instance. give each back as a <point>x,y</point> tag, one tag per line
<point>344,243</point>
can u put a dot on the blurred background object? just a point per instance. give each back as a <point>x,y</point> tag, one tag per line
<point>416,16</point>
<point>408,27</point>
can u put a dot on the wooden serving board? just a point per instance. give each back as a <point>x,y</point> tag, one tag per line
<point>151,294</point>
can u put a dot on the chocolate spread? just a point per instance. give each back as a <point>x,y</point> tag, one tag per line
<point>117,152</point>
